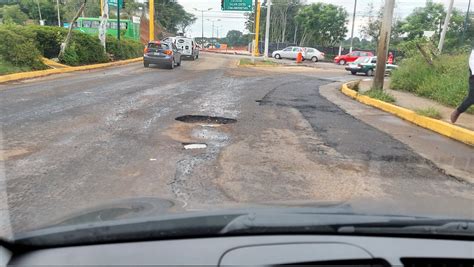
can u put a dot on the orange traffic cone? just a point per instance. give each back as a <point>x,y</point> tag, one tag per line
<point>299,57</point>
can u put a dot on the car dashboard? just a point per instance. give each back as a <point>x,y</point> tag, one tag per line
<point>334,250</point>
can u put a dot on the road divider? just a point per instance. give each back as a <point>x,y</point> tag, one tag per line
<point>452,131</point>
<point>42,73</point>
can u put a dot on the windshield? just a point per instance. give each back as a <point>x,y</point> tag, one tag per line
<point>158,46</point>
<point>99,126</point>
<point>362,60</point>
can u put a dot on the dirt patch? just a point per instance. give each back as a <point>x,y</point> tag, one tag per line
<point>14,153</point>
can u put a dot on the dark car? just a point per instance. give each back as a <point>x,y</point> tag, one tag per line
<point>351,57</point>
<point>367,66</point>
<point>161,53</point>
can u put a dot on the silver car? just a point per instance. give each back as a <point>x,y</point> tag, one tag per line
<point>290,52</point>
<point>313,54</point>
<point>161,53</point>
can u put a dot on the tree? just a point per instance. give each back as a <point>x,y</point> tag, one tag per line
<point>233,37</point>
<point>186,21</point>
<point>371,30</point>
<point>13,14</point>
<point>48,10</point>
<point>427,18</point>
<point>172,16</point>
<point>283,23</point>
<point>65,44</point>
<point>322,24</point>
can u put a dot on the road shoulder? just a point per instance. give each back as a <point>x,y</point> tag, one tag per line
<point>453,157</point>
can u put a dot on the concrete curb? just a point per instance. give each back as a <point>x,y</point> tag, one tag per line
<point>53,64</point>
<point>257,66</point>
<point>41,73</point>
<point>452,131</point>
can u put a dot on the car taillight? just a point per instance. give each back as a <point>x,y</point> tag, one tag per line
<point>168,52</point>
<point>145,50</point>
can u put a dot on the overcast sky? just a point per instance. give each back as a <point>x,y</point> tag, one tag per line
<point>235,20</point>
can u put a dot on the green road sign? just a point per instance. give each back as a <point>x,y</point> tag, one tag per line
<point>237,5</point>
<point>114,3</point>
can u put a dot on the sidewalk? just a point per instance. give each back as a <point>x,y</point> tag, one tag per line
<point>454,157</point>
<point>412,102</point>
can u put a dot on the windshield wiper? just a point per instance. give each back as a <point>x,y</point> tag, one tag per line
<point>347,224</point>
<point>423,227</point>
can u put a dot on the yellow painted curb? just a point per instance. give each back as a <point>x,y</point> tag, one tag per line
<point>53,64</point>
<point>452,131</point>
<point>41,73</point>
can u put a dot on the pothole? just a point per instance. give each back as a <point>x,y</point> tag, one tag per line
<point>205,119</point>
<point>194,145</point>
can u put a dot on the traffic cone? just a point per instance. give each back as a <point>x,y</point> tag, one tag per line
<point>299,57</point>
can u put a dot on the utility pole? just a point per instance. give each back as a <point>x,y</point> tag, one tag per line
<point>202,23</point>
<point>445,26</point>
<point>384,43</point>
<point>151,15</point>
<point>118,20</point>
<point>59,16</point>
<point>267,30</point>
<point>257,26</point>
<point>353,25</point>
<point>465,22</point>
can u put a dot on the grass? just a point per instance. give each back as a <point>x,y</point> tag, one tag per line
<point>444,82</point>
<point>380,95</point>
<point>8,68</point>
<point>248,62</point>
<point>429,112</point>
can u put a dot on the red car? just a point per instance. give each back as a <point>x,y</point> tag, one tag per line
<point>351,57</point>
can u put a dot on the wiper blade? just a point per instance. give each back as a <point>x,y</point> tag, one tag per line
<point>433,227</point>
<point>253,223</point>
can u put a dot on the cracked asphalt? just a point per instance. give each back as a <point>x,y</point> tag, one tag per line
<point>76,141</point>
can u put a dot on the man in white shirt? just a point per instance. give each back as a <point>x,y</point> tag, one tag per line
<point>469,100</point>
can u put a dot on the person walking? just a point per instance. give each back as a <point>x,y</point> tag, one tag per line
<point>469,100</point>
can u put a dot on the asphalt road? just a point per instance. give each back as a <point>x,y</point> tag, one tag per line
<point>76,141</point>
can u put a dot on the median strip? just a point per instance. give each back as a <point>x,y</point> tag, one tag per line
<point>452,131</point>
<point>42,73</point>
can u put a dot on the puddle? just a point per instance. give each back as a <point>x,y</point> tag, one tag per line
<point>205,119</point>
<point>194,146</point>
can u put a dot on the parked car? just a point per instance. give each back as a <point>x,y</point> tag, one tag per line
<point>161,53</point>
<point>313,54</point>
<point>188,46</point>
<point>290,52</point>
<point>367,66</point>
<point>351,57</point>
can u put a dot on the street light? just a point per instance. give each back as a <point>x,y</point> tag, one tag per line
<point>213,25</point>
<point>202,22</point>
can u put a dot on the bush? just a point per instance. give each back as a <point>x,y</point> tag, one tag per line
<point>49,39</point>
<point>70,56</point>
<point>23,46</point>
<point>445,81</point>
<point>88,49</point>
<point>19,48</point>
<point>125,50</point>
